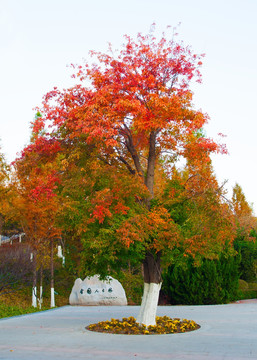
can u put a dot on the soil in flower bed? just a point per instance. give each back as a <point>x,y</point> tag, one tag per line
<point>164,325</point>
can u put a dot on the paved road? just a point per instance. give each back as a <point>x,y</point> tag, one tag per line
<point>227,332</point>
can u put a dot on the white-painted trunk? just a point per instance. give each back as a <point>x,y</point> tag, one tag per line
<point>34,296</point>
<point>148,308</point>
<point>143,302</point>
<point>40,300</point>
<point>60,254</point>
<point>52,298</point>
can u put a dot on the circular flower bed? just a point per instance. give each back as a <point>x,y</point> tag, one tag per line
<point>164,325</point>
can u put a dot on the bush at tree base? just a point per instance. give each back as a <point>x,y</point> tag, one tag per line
<point>133,284</point>
<point>213,282</point>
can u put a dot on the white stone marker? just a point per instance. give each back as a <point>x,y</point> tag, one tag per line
<point>93,291</point>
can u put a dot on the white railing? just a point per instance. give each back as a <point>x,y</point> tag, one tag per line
<point>5,239</point>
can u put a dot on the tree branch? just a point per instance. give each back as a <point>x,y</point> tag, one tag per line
<point>132,171</point>
<point>132,150</point>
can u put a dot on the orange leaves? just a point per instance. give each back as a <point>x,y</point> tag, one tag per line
<point>155,229</point>
<point>198,148</point>
<point>36,179</point>
<point>36,213</point>
<point>113,139</point>
<point>36,169</point>
<point>130,94</point>
<point>100,213</point>
<point>116,197</point>
<point>121,209</point>
<point>147,83</point>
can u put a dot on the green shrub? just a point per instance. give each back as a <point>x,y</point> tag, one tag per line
<point>243,285</point>
<point>213,282</point>
<point>247,290</point>
<point>248,253</point>
<point>247,294</point>
<point>252,286</point>
<point>133,284</point>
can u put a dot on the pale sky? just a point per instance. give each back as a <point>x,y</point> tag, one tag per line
<point>39,38</point>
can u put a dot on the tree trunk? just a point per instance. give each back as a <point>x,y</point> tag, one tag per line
<point>41,288</point>
<point>149,179</point>
<point>151,264</point>
<point>152,286</point>
<point>52,275</point>
<point>34,281</point>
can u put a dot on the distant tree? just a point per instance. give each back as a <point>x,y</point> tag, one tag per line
<point>36,207</point>
<point>245,219</point>
<point>4,190</point>
<point>197,203</point>
<point>245,242</point>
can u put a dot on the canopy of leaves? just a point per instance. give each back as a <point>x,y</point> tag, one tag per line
<point>100,165</point>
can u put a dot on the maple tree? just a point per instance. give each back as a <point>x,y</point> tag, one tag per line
<point>134,115</point>
<point>36,206</point>
<point>14,265</point>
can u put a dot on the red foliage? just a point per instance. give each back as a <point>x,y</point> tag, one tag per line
<point>133,109</point>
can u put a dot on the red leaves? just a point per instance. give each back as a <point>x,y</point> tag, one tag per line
<point>101,204</point>
<point>43,188</point>
<point>38,125</point>
<point>42,146</point>
<point>147,83</point>
<point>134,115</point>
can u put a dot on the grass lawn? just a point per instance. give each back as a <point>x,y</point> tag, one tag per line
<point>19,303</point>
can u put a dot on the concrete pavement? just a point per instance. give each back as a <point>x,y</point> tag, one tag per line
<point>227,332</point>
